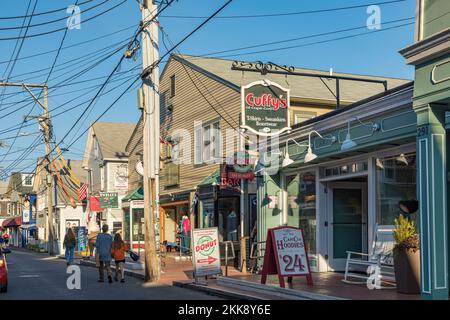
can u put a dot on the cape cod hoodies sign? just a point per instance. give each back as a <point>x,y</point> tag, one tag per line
<point>265,108</point>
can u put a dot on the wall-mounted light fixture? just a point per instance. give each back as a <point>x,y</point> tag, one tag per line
<point>310,156</point>
<point>348,142</point>
<point>287,159</point>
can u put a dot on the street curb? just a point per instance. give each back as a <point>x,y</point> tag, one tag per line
<point>285,293</point>
<point>127,272</point>
<point>214,292</point>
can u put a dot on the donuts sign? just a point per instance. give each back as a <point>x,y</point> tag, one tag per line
<point>206,255</point>
<point>265,108</point>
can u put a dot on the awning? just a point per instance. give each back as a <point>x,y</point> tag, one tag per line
<point>212,179</point>
<point>136,194</point>
<point>28,226</point>
<point>12,222</point>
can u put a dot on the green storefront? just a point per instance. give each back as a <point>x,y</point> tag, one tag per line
<point>430,54</point>
<point>363,158</point>
<point>367,158</point>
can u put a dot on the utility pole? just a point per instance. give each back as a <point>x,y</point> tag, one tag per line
<point>45,123</point>
<point>150,77</point>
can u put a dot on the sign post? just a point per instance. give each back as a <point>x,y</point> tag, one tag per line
<point>205,253</point>
<point>286,255</point>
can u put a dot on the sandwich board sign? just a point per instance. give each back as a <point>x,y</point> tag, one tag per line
<point>205,253</point>
<point>286,255</point>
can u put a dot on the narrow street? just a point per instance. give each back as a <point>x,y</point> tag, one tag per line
<point>38,276</point>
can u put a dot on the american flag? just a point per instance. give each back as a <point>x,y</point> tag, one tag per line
<point>83,191</point>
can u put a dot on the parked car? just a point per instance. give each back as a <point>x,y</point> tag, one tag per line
<point>3,270</point>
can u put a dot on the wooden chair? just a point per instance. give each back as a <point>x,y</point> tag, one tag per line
<point>359,264</point>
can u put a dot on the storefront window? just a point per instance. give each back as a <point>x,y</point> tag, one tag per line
<point>301,198</point>
<point>229,219</point>
<point>207,213</point>
<point>396,181</point>
<point>138,225</point>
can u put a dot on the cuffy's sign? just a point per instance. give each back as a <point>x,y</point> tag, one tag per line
<point>265,108</point>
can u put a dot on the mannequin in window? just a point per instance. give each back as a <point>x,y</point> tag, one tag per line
<point>232,223</point>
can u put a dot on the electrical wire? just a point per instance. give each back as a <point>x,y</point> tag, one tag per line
<point>53,21</point>
<point>41,13</point>
<point>62,29</point>
<point>75,44</point>
<point>284,14</point>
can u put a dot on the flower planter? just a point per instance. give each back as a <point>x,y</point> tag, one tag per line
<point>407,271</point>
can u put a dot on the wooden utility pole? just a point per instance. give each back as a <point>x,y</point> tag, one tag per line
<point>150,56</point>
<point>45,123</point>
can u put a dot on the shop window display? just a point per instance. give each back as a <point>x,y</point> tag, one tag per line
<point>229,219</point>
<point>301,206</point>
<point>138,225</point>
<point>207,213</point>
<point>396,182</point>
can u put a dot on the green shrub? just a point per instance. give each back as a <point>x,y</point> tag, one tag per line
<point>405,234</point>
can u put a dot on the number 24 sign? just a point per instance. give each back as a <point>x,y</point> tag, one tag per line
<point>286,255</point>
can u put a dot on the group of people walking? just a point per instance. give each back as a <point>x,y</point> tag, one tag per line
<point>107,249</point>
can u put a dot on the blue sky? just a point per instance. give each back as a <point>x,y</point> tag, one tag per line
<point>374,53</point>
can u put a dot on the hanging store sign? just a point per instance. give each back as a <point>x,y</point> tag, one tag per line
<point>109,200</point>
<point>286,255</point>
<point>205,253</point>
<point>265,108</point>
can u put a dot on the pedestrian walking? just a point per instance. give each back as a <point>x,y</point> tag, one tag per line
<point>69,244</point>
<point>6,238</point>
<point>92,238</point>
<point>103,246</point>
<point>118,254</point>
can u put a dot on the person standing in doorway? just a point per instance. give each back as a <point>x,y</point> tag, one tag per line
<point>69,244</point>
<point>118,253</point>
<point>103,246</point>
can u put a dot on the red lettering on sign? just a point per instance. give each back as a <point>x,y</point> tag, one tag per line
<point>266,100</point>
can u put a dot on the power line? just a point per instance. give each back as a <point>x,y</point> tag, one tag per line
<point>7,78</point>
<point>80,73</point>
<point>52,21</point>
<point>62,29</point>
<point>317,42</point>
<point>200,81</point>
<point>300,38</point>
<point>284,14</point>
<point>41,13</point>
<point>73,45</point>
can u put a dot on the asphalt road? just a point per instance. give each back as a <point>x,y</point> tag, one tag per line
<point>38,276</point>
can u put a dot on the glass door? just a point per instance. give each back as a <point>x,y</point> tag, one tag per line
<point>347,209</point>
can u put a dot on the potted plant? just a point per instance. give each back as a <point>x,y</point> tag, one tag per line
<point>407,256</point>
